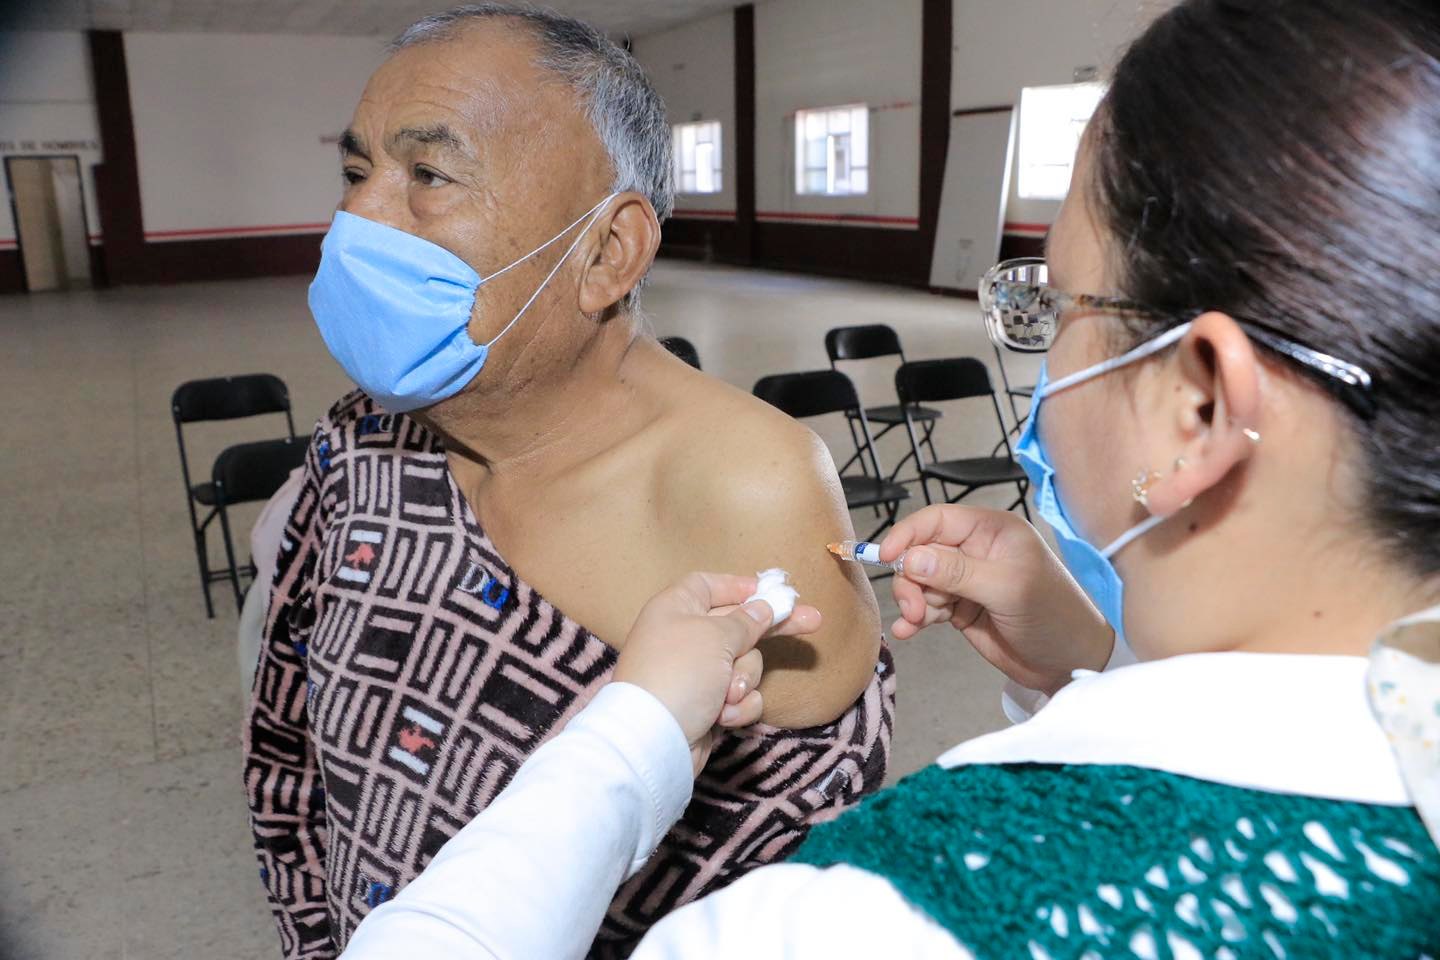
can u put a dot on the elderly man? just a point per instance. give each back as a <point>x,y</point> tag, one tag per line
<point>522,469</point>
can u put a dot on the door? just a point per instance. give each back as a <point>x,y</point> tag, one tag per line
<point>49,209</point>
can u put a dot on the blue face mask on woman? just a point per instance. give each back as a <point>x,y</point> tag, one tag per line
<point>1092,568</point>
<point>395,309</point>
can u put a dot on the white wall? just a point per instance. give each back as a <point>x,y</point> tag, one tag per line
<point>693,68</point>
<point>821,53</point>
<point>47,105</point>
<point>1002,46</point>
<point>236,134</point>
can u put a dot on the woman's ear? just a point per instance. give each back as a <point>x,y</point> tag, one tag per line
<point>1211,412</point>
<point>629,235</point>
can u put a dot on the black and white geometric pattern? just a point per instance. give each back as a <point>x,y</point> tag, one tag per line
<point>407,673</point>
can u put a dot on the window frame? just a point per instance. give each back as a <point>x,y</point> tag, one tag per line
<point>1040,179</point>
<point>679,156</point>
<point>842,125</point>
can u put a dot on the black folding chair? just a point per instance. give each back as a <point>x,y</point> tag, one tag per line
<point>242,473</point>
<point>864,343</point>
<point>1011,392</point>
<point>820,392</point>
<point>960,378</point>
<point>683,349</point>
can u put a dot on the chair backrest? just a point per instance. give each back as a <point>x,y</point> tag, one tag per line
<point>228,398</point>
<point>808,394</point>
<point>254,471</point>
<point>683,349</point>
<point>931,381</point>
<point>863,342</point>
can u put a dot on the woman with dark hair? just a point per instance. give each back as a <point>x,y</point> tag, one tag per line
<point>1234,442</point>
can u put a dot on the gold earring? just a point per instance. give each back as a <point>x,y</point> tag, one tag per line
<point>1140,486</point>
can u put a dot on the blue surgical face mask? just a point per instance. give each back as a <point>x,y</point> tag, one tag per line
<point>1092,568</point>
<point>395,309</point>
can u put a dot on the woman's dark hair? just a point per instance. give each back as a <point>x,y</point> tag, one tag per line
<point>1280,160</point>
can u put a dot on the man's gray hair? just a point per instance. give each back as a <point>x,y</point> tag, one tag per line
<point>627,113</point>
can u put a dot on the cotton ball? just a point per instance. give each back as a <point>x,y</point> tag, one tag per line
<point>774,588</point>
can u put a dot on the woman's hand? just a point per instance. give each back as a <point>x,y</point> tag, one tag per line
<point>991,576</point>
<point>693,648</point>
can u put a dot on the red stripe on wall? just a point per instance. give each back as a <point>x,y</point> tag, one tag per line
<point>94,239</point>
<point>1035,228</point>
<point>776,215</point>
<point>237,231</point>
<point>711,214</point>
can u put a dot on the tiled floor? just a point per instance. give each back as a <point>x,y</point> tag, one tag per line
<point>122,825</point>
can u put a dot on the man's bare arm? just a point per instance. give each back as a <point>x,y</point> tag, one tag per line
<point>778,503</point>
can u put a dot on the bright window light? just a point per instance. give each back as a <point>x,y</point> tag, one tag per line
<point>697,157</point>
<point>832,150</point>
<point>1051,122</point>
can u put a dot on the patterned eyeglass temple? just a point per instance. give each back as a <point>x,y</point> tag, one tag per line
<point>1022,313</point>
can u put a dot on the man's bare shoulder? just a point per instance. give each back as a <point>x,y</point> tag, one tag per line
<point>743,487</point>
<point>733,449</point>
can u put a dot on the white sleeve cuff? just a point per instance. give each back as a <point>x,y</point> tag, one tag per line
<point>1020,703</point>
<point>648,739</point>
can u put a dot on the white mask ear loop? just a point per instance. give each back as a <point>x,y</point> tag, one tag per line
<point>1100,369</point>
<point>547,243</point>
<point>1134,533</point>
<point>593,214</point>
<point>1105,366</point>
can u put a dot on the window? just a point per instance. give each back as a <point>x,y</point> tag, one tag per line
<point>697,157</point>
<point>832,150</point>
<point>1051,122</point>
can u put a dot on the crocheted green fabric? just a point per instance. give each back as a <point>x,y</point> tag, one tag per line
<point>1116,861</point>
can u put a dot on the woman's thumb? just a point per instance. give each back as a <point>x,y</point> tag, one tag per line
<point>751,620</point>
<point>945,569</point>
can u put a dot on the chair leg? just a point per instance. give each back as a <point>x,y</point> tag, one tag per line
<point>892,509</point>
<point>1024,507</point>
<point>928,440</point>
<point>895,474</point>
<point>912,455</point>
<point>961,495</point>
<point>230,557</point>
<point>857,455</point>
<point>925,488</point>
<point>200,560</point>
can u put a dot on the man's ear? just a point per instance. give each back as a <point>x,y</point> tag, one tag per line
<point>629,235</point>
<point>1211,410</point>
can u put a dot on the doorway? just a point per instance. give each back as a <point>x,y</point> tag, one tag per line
<point>48,203</point>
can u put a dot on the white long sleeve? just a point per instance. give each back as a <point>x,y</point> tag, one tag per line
<point>532,876</point>
<point>792,910</point>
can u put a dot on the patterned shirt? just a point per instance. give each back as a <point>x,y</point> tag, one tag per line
<point>407,673</point>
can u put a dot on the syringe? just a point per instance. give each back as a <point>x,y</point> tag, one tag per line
<point>860,551</point>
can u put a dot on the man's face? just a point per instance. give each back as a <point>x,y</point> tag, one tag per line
<point>469,145</point>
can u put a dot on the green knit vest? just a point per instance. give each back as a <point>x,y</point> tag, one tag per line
<point>1041,861</point>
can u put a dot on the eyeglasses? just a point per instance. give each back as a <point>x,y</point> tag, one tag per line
<point>1022,313</point>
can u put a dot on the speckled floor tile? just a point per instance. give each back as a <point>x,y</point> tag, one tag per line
<point>59,875</point>
<point>82,700</point>
<point>208,901</point>
<point>192,658</point>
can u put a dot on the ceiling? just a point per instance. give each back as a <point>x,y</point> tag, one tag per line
<point>351,17</point>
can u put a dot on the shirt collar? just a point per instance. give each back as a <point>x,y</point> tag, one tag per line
<point>1283,723</point>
